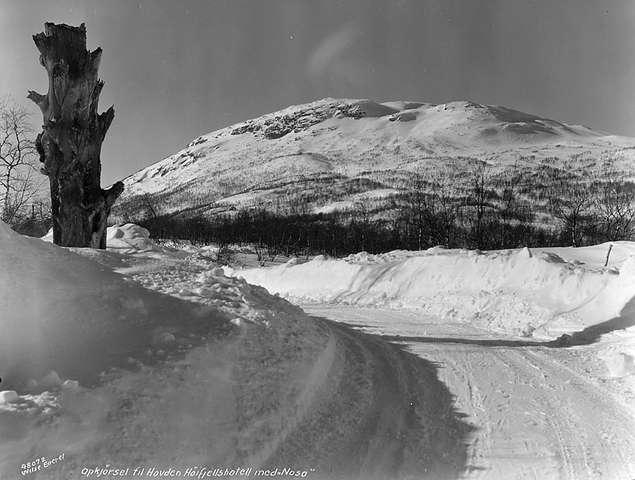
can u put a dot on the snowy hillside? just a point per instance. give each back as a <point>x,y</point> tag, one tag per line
<point>334,154</point>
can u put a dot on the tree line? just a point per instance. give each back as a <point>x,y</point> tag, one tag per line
<point>487,214</point>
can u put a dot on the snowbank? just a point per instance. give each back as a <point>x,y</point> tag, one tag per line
<point>62,312</point>
<point>596,255</point>
<point>127,238</point>
<point>514,291</point>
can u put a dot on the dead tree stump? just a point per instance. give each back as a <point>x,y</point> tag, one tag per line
<point>70,142</point>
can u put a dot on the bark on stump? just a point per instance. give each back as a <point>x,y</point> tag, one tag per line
<point>70,142</point>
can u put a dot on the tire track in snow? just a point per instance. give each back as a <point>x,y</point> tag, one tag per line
<point>379,412</point>
<point>588,413</point>
<point>313,383</point>
<point>536,418</point>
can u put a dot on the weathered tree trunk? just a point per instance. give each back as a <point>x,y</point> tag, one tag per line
<point>70,143</point>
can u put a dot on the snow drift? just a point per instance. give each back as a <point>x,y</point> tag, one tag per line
<point>62,312</point>
<point>516,291</point>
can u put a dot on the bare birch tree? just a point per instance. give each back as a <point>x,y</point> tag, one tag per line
<point>18,182</point>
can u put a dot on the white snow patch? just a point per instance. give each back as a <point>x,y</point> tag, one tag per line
<point>8,396</point>
<point>126,238</point>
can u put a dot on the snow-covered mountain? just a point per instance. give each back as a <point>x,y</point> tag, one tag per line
<point>333,154</point>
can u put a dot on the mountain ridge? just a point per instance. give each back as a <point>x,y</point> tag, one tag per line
<point>328,143</point>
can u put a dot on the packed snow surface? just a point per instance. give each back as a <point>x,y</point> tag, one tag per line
<point>541,412</point>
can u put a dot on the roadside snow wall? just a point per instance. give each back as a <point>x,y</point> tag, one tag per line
<point>514,291</point>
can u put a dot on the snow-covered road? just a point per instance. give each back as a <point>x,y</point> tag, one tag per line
<point>373,412</point>
<point>538,413</point>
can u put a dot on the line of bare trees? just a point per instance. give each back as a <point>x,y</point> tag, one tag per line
<point>488,213</point>
<point>484,214</point>
<point>492,212</point>
<point>594,210</point>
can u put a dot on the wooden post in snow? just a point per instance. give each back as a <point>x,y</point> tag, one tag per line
<point>608,254</point>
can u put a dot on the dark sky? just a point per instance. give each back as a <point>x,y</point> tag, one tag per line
<point>175,69</point>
